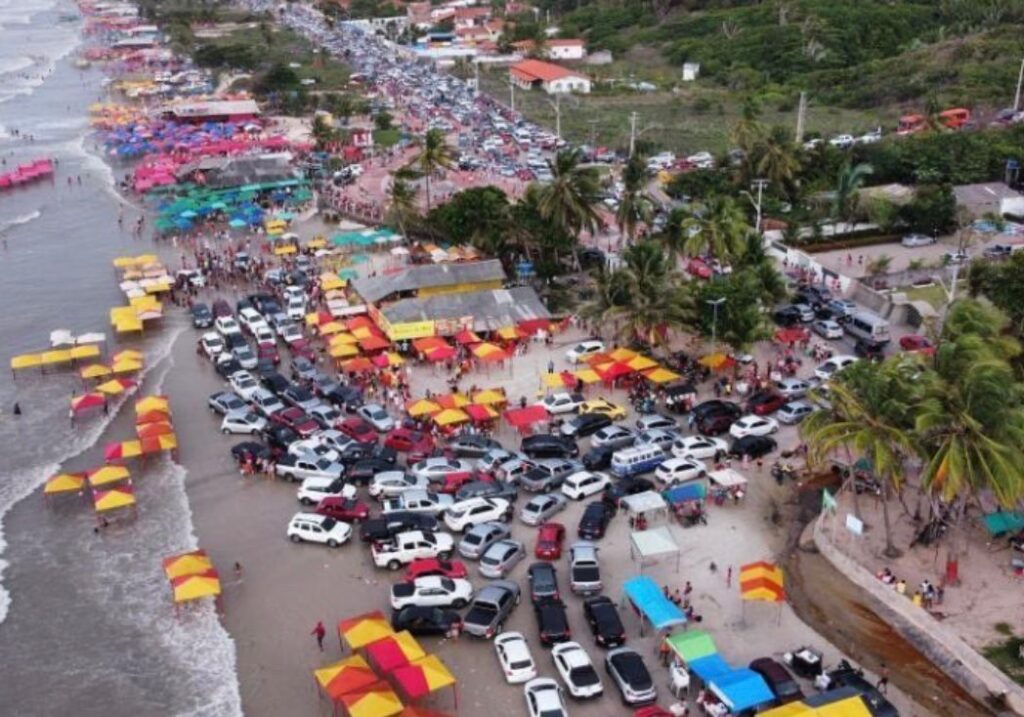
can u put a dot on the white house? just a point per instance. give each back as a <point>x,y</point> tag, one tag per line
<point>553,79</point>
<point>566,49</point>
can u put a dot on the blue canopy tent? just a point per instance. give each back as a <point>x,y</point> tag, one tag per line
<point>686,492</point>
<point>1003,523</point>
<point>652,605</point>
<point>741,689</point>
<point>709,666</point>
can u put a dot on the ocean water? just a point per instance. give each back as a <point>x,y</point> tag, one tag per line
<point>86,624</point>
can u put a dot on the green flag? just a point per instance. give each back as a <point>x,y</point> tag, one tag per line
<point>828,503</point>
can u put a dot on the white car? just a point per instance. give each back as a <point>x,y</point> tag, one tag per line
<point>544,698</point>
<point>418,501</point>
<point>376,416</point>
<point>313,490</point>
<point>432,591</point>
<point>793,387</point>
<point>702,160</point>
<point>265,402</point>
<point>561,402</point>
<point>264,335</point>
<point>313,447</point>
<point>584,349</point>
<point>334,439</point>
<point>251,319</point>
<point>833,366</point>
<point>914,240</point>
<point>388,484</point>
<point>227,325</point>
<point>212,344</point>
<point>753,426</point>
<point>243,421</point>
<point>315,528</point>
<point>827,328</point>
<point>679,470</point>
<point>576,670</point>
<point>244,384</point>
<point>474,511</point>
<point>296,308</point>
<point>290,333</point>
<point>842,141</point>
<point>514,657</point>
<point>583,483</point>
<point>700,447</point>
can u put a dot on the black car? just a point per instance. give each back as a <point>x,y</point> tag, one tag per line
<point>787,316</point>
<point>585,424</point>
<point>624,487</point>
<point>266,304</point>
<point>265,366</point>
<point>716,407</point>
<point>202,317</point>
<point>392,524</point>
<point>275,383</point>
<point>543,582</point>
<point>714,424</point>
<point>222,308</point>
<point>362,471</point>
<point>552,622</point>
<point>234,341</point>
<point>813,296</point>
<point>873,350</point>
<point>355,452</point>
<point>227,366</point>
<point>603,618</point>
<point>753,446</point>
<point>599,458</point>
<point>631,676</point>
<point>245,303</point>
<point>545,445</point>
<point>348,397</point>
<point>594,521</point>
<point>424,620</point>
<point>249,451</point>
<point>779,680</point>
<point>851,680</point>
<point>279,437</point>
<point>296,395</point>
<point>471,445</point>
<point>487,489</point>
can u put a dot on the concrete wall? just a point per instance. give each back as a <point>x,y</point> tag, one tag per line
<point>938,643</point>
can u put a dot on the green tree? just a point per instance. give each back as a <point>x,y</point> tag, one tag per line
<point>570,199</point>
<point>402,209</point>
<point>278,78</point>
<point>717,227</point>
<point>636,205</point>
<point>739,321</point>
<point>749,131</point>
<point>1001,283</point>
<point>931,211</point>
<point>383,120</point>
<point>478,214</point>
<point>323,133</point>
<point>846,198</point>
<point>776,159</point>
<point>435,154</point>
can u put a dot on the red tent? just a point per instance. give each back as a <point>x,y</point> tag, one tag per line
<point>611,372</point>
<point>374,343</point>
<point>467,337</point>
<point>793,335</point>
<point>523,418</point>
<point>440,353</point>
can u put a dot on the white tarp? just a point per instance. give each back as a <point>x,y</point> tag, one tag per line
<point>647,545</point>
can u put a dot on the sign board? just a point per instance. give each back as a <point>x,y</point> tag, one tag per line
<point>854,524</point>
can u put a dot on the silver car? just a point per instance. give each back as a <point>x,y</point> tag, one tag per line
<point>914,240</point>
<point>655,420</point>
<point>479,538</point>
<point>794,412</point>
<point>499,559</point>
<point>659,437</point>
<point>540,508</point>
<point>827,328</point>
<point>376,416</point>
<point>614,436</point>
<point>793,387</point>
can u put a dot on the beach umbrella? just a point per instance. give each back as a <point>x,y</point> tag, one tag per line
<point>152,417</point>
<point>450,417</point>
<point>613,370</point>
<point>360,630</point>
<point>377,700</point>
<point>374,343</point>
<point>421,407</point>
<point>285,249</point>
<point>343,350</point>
<point>87,401</point>
<point>480,413</point>
<point>316,243</point>
<point>557,380</point>
<point>440,353</point>
<point>194,587</point>
<point>489,352</point>
<point>342,338</point>
<point>84,352</point>
<point>331,327</point>
<point>359,259</point>
<point>387,359</point>
<point>452,400</point>
<point>26,361</point>
<point>116,386</point>
<point>394,651</point>
<point>64,483</point>
<point>762,581</point>
<point>113,499</point>
<point>622,354</point>
<point>122,450</point>
<point>422,677</point>
<point>661,375</point>
<point>127,355</point>
<point>152,403</point>
<point>94,370</point>
<point>352,673</point>
<point>490,397</point>
<point>364,332</point>
<point>126,366</point>
<point>151,430</point>
<point>357,365</point>
<point>331,282</point>
<point>318,317</point>
<point>157,444</point>
<point>107,475</point>
<point>509,333</point>
<point>466,337</point>
<point>642,363</point>
<point>717,361</point>
<point>360,322</point>
<point>48,358</point>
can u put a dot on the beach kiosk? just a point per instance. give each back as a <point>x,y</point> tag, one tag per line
<point>727,485</point>
<point>649,603</point>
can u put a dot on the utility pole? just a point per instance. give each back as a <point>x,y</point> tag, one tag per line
<point>1020,80</point>
<point>558,116</point>
<point>715,303</point>
<point>632,133</point>
<point>512,92</point>
<point>760,184</point>
<point>801,111</point>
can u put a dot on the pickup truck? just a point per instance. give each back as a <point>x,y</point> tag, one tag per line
<point>491,607</point>
<point>418,501</point>
<point>584,570</point>
<point>299,468</point>
<point>406,547</point>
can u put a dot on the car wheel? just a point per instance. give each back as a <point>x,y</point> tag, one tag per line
<point>295,538</point>
<point>254,432</point>
<point>332,543</point>
<point>459,604</point>
<point>306,501</point>
<point>445,554</point>
<point>394,565</point>
<point>500,627</point>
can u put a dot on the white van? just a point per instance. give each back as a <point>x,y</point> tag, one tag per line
<point>868,327</point>
<point>584,349</point>
<point>633,461</point>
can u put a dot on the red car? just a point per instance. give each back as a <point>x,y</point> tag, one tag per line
<point>432,566</point>
<point>301,347</point>
<point>764,402</point>
<point>417,444</point>
<point>652,711</point>
<point>358,429</point>
<point>268,351</point>
<point>913,342</point>
<point>297,420</point>
<point>453,481</point>
<point>698,268</point>
<point>348,510</point>
<point>549,541</point>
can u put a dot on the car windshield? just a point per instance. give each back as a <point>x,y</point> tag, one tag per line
<point>328,523</point>
<point>584,676</point>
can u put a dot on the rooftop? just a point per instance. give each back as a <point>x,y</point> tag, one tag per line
<point>374,288</point>
<point>534,70</point>
<point>491,310</point>
<point>215,108</point>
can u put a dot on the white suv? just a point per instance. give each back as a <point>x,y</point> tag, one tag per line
<point>314,528</point>
<point>473,511</point>
<point>584,349</point>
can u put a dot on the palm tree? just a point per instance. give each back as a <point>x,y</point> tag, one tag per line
<point>323,133</point>
<point>673,237</point>
<point>570,199</point>
<point>717,227</point>
<point>435,154</point>
<point>870,416</point>
<point>849,182</point>
<point>776,160</point>
<point>402,207</point>
<point>749,130</point>
<point>635,206</point>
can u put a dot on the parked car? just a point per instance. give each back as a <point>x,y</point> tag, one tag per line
<point>583,350</point>
<point>434,566</point>
<point>752,446</point>
<point>779,680</point>
<point>791,388</point>
<point>584,569</point>
<point>376,416</point>
<point>314,528</point>
<point>514,657</point>
<point>764,402</point>
<point>548,474</point>
<point>595,519</point>
<point>545,445</point>
<point>614,436</point>
<point>490,608</point>
<point>913,342</point>
<point>576,670</point>
<point>479,538</point>
<point>392,483</point>
<point>581,484</point>
<point>834,365</point>
<point>544,698</point>
<point>916,240</point>
<point>501,557</point>
<point>603,407</point>
<point>464,514</point>
<point>585,424</point>
<point>552,622</point>
<point>417,501</point>
<point>243,421</point>
<point>202,317</point>
<point>388,526</point>
<point>599,457</point>
<point>629,673</point>
<point>225,402</point>
<point>679,470</point>
<point>603,617</point>
<point>700,447</point>
<point>314,490</point>
<point>550,537</point>
<point>425,621</point>
<point>794,412</point>
<point>472,445</point>
<point>753,426</point>
<point>827,328</point>
<point>655,421</point>
<point>358,429</point>
<point>542,507</point>
<point>432,591</point>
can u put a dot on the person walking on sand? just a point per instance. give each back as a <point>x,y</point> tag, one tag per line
<point>319,632</point>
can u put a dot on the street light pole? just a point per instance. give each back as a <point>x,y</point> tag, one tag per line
<point>715,303</point>
<point>1020,80</point>
<point>759,185</point>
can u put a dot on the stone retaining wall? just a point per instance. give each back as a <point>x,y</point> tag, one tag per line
<point>935,641</point>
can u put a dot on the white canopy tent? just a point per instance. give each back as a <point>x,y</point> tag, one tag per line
<point>646,546</point>
<point>648,504</point>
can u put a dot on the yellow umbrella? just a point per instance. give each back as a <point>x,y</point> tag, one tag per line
<point>285,249</point>
<point>343,350</point>
<point>343,338</point>
<point>126,366</point>
<point>107,475</point>
<point>26,361</point>
<point>127,326</point>
<point>489,397</point>
<point>94,370</point>
<point>587,375</point>
<point>331,282</point>
<point>87,351</point>
<point>152,403</point>
<point>641,363</point>
<point>622,354</point>
<point>191,563</point>
<point>331,327</point>
<point>128,355</point>
<point>421,407</point>
<point>51,357</point>
<point>116,386</point>
<point>193,587</point>
<point>450,417</point>
<point>316,243</point>
<point>553,380</point>
<point>64,483</point>
<point>661,375</point>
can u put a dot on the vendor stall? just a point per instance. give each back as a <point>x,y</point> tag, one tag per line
<point>727,484</point>
<point>646,546</point>
<point>687,502</point>
<point>739,690</point>
<point>650,604</point>
<point>645,508</point>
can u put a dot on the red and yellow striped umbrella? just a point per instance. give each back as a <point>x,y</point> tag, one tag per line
<point>113,499</point>
<point>420,678</point>
<point>193,587</point>
<point>762,581</point>
<point>421,407</point>
<point>190,563</point>
<point>107,475</point>
<point>377,700</point>
<point>121,450</point>
<point>361,630</point>
<point>151,430</point>
<point>352,673</point>
<point>64,483</point>
<point>394,651</point>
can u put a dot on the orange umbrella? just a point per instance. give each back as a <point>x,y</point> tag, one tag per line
<point>152,417</point>
<point>762,581</point>
<point>151,430</point>
<point>489,352</point>
<point>352,673</point>
<point>356,365</point>
<point>361,630</point>
<point>374,343</point>
<point>87,401</point>
<point>358,322</point>
<point>156,444</point>
<point>193,587</point>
